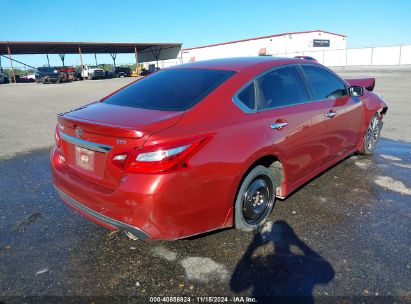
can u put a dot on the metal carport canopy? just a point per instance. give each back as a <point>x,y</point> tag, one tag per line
<point>146,51</point>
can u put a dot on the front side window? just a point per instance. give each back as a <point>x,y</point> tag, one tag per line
<point>282,87</point>
<point>324,84</point>
<point>170,90</point>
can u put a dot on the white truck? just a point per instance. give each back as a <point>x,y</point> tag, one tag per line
<point>92,72</point>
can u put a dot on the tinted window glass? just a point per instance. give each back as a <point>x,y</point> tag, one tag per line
<point>282,87</point>
<point>324,84</point>
<point>46,69</point>
<point>247,96</point>
<point>170,90</point>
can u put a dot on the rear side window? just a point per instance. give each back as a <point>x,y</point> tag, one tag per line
<point>247,96</point>
<point>170,90</point>
<point>282,87</point>
<point>324,84</point>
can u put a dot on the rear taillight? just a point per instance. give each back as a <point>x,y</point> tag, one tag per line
<point>164,157</point>
<point>57,136</point>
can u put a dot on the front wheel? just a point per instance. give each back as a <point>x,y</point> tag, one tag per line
<point>255,199</point>
<point>372,135</point>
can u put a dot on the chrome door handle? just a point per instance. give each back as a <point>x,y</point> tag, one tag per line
<point>279,125</point>
<point>330,114</point>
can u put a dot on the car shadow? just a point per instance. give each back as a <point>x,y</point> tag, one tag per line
<point>279,266</point>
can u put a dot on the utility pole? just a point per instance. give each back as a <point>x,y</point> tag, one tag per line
<point>11,63</point>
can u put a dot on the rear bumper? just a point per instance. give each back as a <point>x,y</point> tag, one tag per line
<point>102,218</point>
<point>166,206</point>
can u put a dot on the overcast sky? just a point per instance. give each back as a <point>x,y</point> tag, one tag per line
<point>194,23</point>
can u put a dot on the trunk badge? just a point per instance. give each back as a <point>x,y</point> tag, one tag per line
<point>79,132</point>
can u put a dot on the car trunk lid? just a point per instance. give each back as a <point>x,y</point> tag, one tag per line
<point>91,136</point>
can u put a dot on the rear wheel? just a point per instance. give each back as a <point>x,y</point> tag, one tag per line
<point>255,199</point>
<point>372,135</point>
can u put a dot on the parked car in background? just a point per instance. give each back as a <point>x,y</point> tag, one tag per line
<point>67,73</point>
<point>306,58</point>
<point>108,74</point>
<point>145,72</point>
<point>134,73</point>
<point>210,144</point>
<point>1,75</point>
<point>28,78</point>
<point>15,79</point>
<point>6,80</point>
<point>121,72</point>
<point>47,75</point>
<point>92,72</point>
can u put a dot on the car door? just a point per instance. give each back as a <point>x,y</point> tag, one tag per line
<point>295,123</point>
<point>344,114</point>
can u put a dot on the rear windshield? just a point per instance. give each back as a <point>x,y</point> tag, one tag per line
<point>170,90</point>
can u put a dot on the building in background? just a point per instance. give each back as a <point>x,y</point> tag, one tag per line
<point>268,45</point>
<point>278,44</point>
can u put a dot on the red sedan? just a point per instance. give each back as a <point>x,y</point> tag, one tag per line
<point>210,144</point>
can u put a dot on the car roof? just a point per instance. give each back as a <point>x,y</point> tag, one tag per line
<point>240,63</point>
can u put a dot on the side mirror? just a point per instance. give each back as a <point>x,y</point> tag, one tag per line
<point>356,91</point>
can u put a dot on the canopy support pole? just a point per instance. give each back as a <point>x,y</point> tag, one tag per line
<point>95,58</point>
<point>48,61</point>
<point>81,64</point>
<point>62,58</point>
<point>11,64</point>
<point>113,56</point>
<point>81,57</point>
<point>137,67</point>
<point>156,53</point>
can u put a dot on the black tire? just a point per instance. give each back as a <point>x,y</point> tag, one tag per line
<point>372,135</point>
<point>255,199</point>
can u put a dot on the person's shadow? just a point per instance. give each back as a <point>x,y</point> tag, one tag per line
<point>286,272</point>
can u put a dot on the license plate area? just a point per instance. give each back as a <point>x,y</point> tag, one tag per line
<point>84,158</point>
